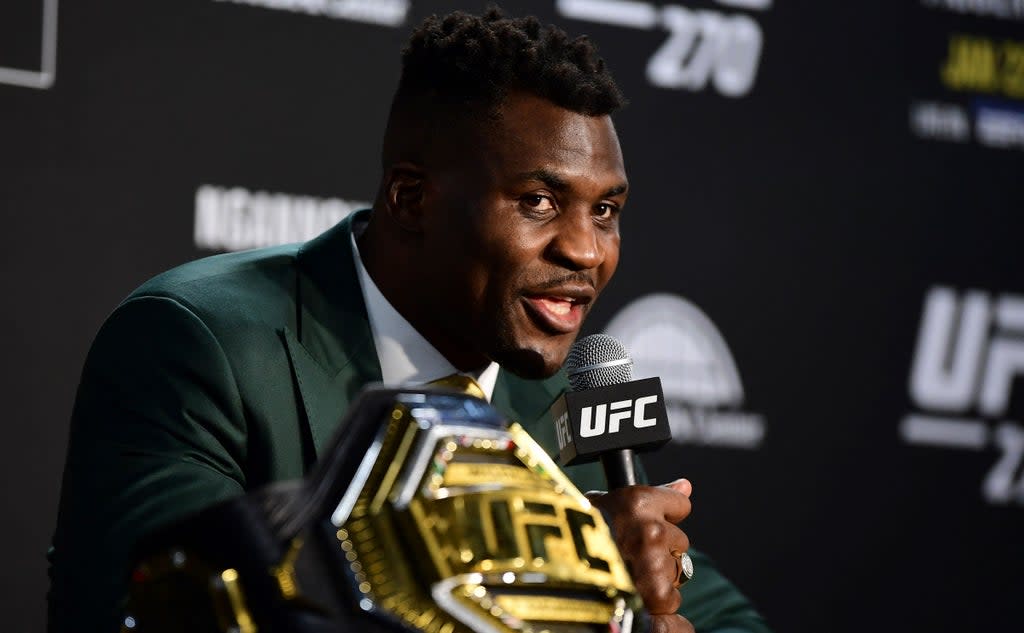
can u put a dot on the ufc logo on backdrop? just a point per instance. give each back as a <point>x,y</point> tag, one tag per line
<point>606,418</point>
<point>970,351</point>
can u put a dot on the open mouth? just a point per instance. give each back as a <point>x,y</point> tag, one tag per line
<point>557,314</point>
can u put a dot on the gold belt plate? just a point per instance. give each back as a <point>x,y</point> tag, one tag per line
<point>458,528</point>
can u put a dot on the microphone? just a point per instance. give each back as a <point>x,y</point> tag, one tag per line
<point>607,416</point>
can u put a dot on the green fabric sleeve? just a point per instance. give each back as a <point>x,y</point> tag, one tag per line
<point>714,605</point>
<point>157,432</point>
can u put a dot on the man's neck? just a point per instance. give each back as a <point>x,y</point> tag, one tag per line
<point>407,294</point>
<point>405,354</point>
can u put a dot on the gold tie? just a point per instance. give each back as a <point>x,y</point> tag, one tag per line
<point>463,383</point>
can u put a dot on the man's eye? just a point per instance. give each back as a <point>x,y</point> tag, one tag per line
<point>537,202</point>
<point>605,211</point>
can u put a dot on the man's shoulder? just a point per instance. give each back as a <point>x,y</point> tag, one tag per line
<point>229,283</point>
<point>262,284</point>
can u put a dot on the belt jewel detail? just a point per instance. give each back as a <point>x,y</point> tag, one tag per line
<point>459,527</point>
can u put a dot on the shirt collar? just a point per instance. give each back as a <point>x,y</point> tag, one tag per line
<point>406,358</point>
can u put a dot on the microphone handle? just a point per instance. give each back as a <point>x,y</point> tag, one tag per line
<point>618,468</point>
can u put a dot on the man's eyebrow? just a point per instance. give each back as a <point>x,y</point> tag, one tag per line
<point>558,183</point>
<point>616,190</point>
<point>549,178</point>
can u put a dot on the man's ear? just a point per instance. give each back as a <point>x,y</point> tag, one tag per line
<point>404,195</point>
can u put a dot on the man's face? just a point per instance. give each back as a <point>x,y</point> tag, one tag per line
<point>521,234</point>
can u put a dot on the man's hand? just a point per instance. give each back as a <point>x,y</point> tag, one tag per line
<point>644,522</point>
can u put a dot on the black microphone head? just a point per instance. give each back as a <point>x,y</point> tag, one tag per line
<point>598,360</point>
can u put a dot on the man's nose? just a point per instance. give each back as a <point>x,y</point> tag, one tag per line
<point>576,245</point>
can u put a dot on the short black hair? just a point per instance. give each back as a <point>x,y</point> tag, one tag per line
<point>477,59</point>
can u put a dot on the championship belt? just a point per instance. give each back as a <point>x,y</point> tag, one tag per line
<point>430,512</point>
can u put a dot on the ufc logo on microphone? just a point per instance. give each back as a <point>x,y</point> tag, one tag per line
<point>607,418</point>
<point>592,422</point>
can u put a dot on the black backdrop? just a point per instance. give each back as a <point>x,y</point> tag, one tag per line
<point>840,172</point>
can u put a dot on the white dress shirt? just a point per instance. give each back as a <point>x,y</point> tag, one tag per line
<point>406,358</point>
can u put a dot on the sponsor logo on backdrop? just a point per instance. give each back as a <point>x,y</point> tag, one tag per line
<point>234,218</point>
<point>1006,9</point>
<point>970,350</point>
<point>670,338</point>
<point>43,76</point>
<point>999,125</point>
<point>984,65</point>
<point>983,78</point>
<point>383,12</point>
<point>705,48</point>
<point>940,121</point>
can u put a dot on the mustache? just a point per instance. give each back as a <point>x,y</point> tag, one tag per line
<point>580,277</point>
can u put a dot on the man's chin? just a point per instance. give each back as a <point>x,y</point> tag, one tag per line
<point>532,364</point>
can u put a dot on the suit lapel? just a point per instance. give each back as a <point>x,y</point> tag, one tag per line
<point>527,402</point>
<point>331,351</point>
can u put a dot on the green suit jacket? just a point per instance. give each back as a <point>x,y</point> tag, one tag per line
<point>226,374</point>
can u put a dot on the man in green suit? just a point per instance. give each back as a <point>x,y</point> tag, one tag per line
<point>494,229</point>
